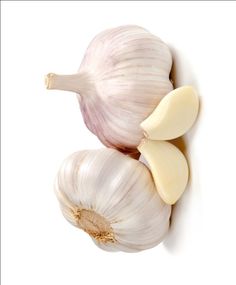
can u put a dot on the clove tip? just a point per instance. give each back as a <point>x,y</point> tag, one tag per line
<point>141,144</point>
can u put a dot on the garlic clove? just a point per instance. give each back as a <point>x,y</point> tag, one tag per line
<point>168,166</point>
<point>174,116</point>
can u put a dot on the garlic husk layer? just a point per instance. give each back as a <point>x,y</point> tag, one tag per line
<point>122,78</point>
<point>113,198</point>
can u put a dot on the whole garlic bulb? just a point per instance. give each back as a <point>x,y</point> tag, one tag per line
<point>122,78</point>
<point>113,198</point>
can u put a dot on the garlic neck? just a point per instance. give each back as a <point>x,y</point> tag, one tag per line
<point>95,225</point>
<point>74,82</point>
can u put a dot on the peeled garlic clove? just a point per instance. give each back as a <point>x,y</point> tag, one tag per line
<point>174,116</point>
<point>113,198</point>
<point>123,76</point>
<point>168,166</point>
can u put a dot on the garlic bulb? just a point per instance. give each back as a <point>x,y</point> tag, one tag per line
<point>122,78</point>
<point>113,198</point>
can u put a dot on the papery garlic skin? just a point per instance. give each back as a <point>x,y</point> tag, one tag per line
<point>122,78</point>
<point>113,198</point>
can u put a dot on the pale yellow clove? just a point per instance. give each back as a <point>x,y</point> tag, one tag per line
<point>174,116</point>
<point>168,166</point>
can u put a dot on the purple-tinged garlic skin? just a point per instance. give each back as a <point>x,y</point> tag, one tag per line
<point>122,78</point>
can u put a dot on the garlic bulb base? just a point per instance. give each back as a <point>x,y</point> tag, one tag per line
<point>94,224</point>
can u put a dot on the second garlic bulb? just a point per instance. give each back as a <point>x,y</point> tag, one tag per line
<point>113,198</point>
<point>122,78</point>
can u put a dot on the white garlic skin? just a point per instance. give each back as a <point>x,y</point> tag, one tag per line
<point>122,78</point>
<point>119,189</point>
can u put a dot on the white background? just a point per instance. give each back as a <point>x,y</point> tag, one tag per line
<point>40,128</point>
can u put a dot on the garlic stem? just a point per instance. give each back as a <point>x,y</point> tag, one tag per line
<point>72,82</point>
